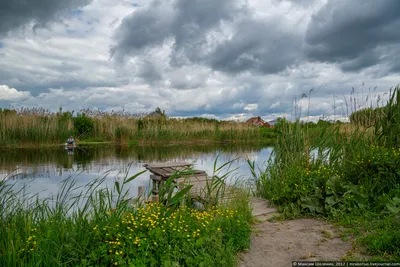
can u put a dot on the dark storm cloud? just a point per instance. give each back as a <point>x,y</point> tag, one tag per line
<point>196,31</point>
<point>352,33</point>
<point>184,21</point>
<point>148,26</point>
<point>184,84</point>
<point>257,46</point>
<point>39,82</point>
<point>17,13</point>
<point>194,20</point>
<point>149,72</point>
<point>305,3</point>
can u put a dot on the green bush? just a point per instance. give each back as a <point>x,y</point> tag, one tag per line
<point>83,126</point>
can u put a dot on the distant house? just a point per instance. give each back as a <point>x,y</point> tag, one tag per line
<point>259,122</point>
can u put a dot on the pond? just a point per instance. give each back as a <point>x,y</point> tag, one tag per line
<point>41,170</point>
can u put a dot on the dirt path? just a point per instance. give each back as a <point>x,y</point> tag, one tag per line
<point>279,243</point>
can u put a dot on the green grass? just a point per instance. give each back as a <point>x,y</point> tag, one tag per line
<point>148,236</point>
<point>375,235</point>
<point>348,177</point>
<point>97,226</point>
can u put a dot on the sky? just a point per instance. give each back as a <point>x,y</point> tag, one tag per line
<point>225,59</point>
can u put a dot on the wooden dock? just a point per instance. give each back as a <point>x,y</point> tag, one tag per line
<point>184,175</point>
<point>181,172</point>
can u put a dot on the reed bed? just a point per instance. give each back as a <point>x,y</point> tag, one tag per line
<point>350,177</point>
<point>35,127</point>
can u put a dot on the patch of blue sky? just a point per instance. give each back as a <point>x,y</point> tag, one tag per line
<point>77,12</point>
<point>1,45</point>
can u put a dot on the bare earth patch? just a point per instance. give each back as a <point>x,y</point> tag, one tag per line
<point>280,243</point>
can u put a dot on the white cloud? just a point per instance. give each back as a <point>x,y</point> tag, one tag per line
<point>275,105</point>
<point>239,117</point>
<point>251,107</point>
<point>12,94</point>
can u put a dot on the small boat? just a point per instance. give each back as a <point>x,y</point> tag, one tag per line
<point>70,143</point>
<point>69,146</point>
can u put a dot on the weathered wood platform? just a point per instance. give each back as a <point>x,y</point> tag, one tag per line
<point>204,188</point>
<point>166,170</point>
<point>185,175</point>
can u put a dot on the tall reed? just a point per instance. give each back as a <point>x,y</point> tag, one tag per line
<point>349,176</point>
<point>296,173</point>
<point>41,127</point>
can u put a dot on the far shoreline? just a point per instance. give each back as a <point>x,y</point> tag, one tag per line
<point>142,143</point>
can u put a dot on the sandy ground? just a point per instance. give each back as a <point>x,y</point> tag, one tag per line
<point>279,243</point>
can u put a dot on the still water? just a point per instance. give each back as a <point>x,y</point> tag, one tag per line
<point>41,171</point>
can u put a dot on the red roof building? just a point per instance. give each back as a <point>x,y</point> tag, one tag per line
<point>259,122</point>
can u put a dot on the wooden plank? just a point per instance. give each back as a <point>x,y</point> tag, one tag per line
<point>181,168</point>
<point>199,172</point>
<point>167,164</point>
<point>169,170</point>
<point>159,171</point>
<point>189,173</point>
<point>155,177</point>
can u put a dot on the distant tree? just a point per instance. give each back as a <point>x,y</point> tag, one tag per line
<point>83,125</point>
<point>158,113</point>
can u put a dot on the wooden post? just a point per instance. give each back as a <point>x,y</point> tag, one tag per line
<point>155,198</point>
<point>156,183</point>
<point>140,193</point>
<point>156,187</point>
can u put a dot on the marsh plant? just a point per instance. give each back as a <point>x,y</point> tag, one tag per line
<point>96,225</point>
<point>41,127</point>
<point>352,176</point>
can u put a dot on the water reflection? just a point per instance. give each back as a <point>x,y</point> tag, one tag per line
<point>42,170</point>
<point>70,150</point>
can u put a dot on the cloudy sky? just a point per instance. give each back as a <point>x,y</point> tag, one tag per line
<point>223,59</point>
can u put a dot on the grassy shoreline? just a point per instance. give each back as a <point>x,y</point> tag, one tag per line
<point>144,143</point>
<point>350,178</point>
<point>43,128</point>
<point>100,227</point>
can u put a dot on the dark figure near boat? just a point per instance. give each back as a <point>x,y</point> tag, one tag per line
<point>70,141</point>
